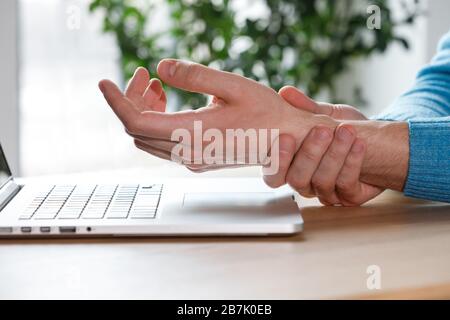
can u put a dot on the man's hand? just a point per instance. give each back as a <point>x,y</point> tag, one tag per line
<point>298,99</point>
<point>328,164</point>
<point>238,103</point>
<point>241,103</point>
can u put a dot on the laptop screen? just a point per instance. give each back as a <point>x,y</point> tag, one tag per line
<point>5,173</point>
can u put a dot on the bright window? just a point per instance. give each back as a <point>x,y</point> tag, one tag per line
<point>65,124</point>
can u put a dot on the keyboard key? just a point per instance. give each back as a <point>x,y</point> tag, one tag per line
<point>122,202</point>
<point>76,202</point>
<point>35,204</point>
<point>45,216</point>
<point>53,202</point>
<point>95,202</point>
<point>99,202</point>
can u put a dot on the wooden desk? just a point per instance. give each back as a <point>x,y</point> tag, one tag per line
<point>408,239</point>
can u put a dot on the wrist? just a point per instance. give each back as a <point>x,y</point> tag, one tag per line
<point>300,123</point>
<point>387,156</point>
<point>324,120</point>
<point>317,120</point>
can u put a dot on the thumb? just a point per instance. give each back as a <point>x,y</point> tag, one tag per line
<point>299,100</point>
<point>195,77</point>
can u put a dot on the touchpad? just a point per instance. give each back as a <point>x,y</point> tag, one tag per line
<point>228,199</point>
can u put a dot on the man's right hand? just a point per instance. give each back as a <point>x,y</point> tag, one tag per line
<point>238,104</point>
<point>328,164</point>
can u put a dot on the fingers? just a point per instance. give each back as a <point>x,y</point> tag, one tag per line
<point>162,103</point>
<point>330,168</point>
<point>138,83</point>
<point>156,143</point>
<point>156,152</point>
<point>121,106</point>
<point>154,149</point>
<point>347,183</point>
<point>324,179</point>
<point>308,158</point>
<point>286,154</point>
<point>149,123</point>
<point>146,93</point>
<point>298,99</point>
<point>204,168</point>
<point>198,78</point>
<point>176,155</point>
<point>348,186</point>
<point>351,191</point>
<point>154,96</point>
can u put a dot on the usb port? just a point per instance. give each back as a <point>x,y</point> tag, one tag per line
<point>25,229</point>
<point>45,229</point>
<point>6,229</point>
<point>67,229</point>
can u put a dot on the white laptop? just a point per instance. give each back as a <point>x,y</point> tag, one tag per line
<point>189,207</point>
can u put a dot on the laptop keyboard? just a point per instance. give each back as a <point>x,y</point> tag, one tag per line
<point>129,201</point>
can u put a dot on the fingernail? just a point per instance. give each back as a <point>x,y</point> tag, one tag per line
<point>101,86</point>
<point>345,134</point>
<point>321,133</point>
<point>170,68</point>
<point>155,86</point>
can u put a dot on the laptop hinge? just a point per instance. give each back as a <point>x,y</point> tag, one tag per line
<point>7,192</point>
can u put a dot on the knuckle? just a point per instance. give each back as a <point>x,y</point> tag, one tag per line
<point>343,184</point>
<point>307,153</point>
<point>236,88</point>
<point>349,165</point>
<point>334,154</point>
<point>337,111</point>
<point>295,182</point>
<point>322,184</point>
<point>193,73</point>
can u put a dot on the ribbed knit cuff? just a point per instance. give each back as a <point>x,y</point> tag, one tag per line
<point>429,160</point>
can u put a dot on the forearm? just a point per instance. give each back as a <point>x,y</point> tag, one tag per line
<point>387,152</point>
<point>413,156</point>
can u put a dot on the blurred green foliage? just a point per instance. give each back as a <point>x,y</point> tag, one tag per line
<point>305,43</point>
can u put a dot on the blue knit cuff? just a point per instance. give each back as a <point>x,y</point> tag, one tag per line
<point>429,160</point>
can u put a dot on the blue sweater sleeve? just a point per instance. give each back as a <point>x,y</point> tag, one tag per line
<point>430,96</point>
<point>426,108</point>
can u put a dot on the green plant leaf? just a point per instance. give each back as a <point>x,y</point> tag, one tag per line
<point>322,36</point>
